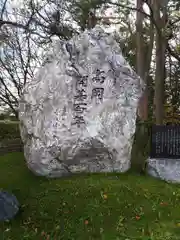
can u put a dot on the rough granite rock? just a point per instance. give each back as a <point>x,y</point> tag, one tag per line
<point>164,169</point>
<point>9,206</point>
<point>79,113</point>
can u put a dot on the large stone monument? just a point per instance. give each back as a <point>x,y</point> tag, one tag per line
<point>79,113</point>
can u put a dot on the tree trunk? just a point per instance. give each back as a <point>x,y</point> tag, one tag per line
<point>143,63</point>
<point>140,56</point>
<point>161,46</point>
<point>139,41</point>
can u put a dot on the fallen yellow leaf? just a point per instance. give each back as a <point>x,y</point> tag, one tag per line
<point>105,196</point>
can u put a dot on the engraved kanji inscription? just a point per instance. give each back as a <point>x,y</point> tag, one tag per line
<point>165,142</point>
<point>82,80</point>
<point>81,95</point>
<point>80,107</point>
<point>99,76</point>
<point>98,93</point>
<point>78,120</point>
<point>80,104</point>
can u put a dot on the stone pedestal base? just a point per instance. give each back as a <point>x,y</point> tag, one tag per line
<point>165,169</point>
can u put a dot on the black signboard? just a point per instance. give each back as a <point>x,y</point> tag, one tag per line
<point>165,142</point>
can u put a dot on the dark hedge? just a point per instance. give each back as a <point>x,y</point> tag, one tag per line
<point>9,130</point>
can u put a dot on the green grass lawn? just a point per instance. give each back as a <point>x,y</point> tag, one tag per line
<point>89,207</point>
